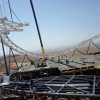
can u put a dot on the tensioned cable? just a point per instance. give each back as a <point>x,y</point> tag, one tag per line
<point>28,57</point>
<point>16,16</point>
<point>12,12</point>
<point>25,56</point>
<point>9,4</point>
<point>23,61</point>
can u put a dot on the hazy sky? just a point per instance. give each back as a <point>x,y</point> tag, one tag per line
<point>62,22</point>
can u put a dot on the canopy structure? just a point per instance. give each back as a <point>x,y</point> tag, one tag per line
<point>7,26</point>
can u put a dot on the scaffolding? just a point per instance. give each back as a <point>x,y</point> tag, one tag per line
<point>72,87</point>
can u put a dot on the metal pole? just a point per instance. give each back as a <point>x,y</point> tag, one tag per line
<point>38,30</point>
<point>7,71</point>
<point>9,59</point>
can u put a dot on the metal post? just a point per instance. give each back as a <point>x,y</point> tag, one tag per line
<point>94,83</point>
<point>38,30</point>
<point>7,71</point>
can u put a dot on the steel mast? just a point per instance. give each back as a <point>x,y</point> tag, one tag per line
<point>38,30</point>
